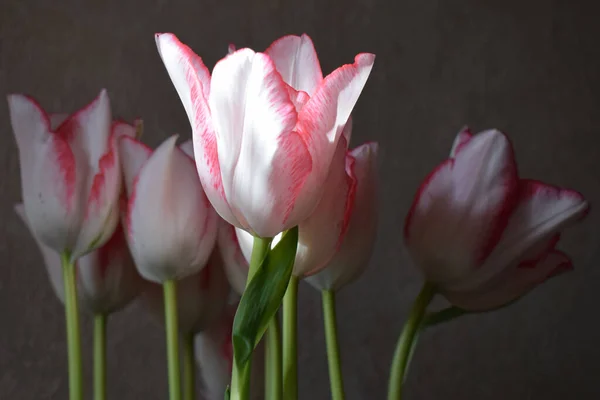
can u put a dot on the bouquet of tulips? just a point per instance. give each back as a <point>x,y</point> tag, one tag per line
<point>215,233</point>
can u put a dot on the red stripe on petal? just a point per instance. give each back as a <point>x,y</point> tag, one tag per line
<point>349,206</point>
<point>67,167</point>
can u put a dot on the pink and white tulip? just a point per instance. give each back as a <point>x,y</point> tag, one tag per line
<point>106,278</point>
<point>354,253</point>
<point>70,173</point>
<point>201,298</point>
<point>171,226</point>
<point>321,235</point>
<point>482,235</point>
<point>265,127</point>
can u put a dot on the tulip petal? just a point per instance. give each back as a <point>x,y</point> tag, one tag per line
<point>296,60</point>
<point>460,141</point>
<point>192,80</point>
<point>263,163</point>
<point>172,226</point>
<point>541,213</point>
<point>133,155</point>
<point>357,245</point>
<point>462,208</point>
<point>512,284</point>
<point>236,265</point>
<point>51,258</point>
<point>188,147</point>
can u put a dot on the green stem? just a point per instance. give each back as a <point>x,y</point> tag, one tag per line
<point>333,349</point>
<point>170,299</point>
<point>189,367</point>
<point>445,315</point>
<point>290,330</point>
<point>273,361</point>
<point>240,377</point>
<point>100,356</point>
<point>73,334</point>
<point>404,346</point>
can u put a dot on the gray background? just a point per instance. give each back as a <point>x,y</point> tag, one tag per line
<point>530,68</point>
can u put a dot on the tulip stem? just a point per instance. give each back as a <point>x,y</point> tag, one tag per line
<point>405,342</point>
<point>333,349</point>
<point>240,376</point>
<point>189,367</point>
<point>100,320</point>
<point>72,322</point>
<point>170,300</point>
<point>273,361</point>
<point>290,350</point>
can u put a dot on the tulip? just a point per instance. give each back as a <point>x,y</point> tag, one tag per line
<point>70,183</point>
<point>482,236</point>
<point>234,262</point>
<point>214,355</point>
<point>263,148</point>
<point>171,226</point>
<point>70,173</point>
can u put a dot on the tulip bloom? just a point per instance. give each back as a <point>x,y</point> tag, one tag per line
<point>70,174</point>
<point>483,236</point>
<point>356,247</point>
<point>265,126</point>
<point>106,278</point>
<point>171,226</point>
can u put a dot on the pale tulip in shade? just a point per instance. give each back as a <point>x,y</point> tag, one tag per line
<point>263,148</point>
<point>106,277</point>
<point>70,174</point>
<point>171,226</point>
<point>214,355</point>
<point>235,263</point>
<point>353,255</point>
<point>201,298</point>
<point>482,235</point>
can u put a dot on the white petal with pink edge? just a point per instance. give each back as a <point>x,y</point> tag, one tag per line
<point>353,256</point>
<point>462,208</point>
<point>296,60</point>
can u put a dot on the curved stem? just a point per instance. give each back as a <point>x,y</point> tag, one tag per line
<point>290,330</point>
<point>189,367</point>
<point>273,361</point>
<point>100,356</point>
<point>404,346</point>
<point>72,322</point>
<point>240,377</point>
<point>171,323</point>
<point>333,349</point>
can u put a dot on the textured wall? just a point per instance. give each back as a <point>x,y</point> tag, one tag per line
<point>531,68</point>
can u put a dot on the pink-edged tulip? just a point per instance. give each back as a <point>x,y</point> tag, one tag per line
<point>171,226</point>
<point>321,234</point>
<point>70,173</point>
<point>106,277</point>
<point>353,255</point>
<point>263,147</point>
<point>214,355</point>
<point>201,298</point>
<point>482,235</point>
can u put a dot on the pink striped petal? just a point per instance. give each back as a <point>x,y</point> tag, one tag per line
<point>264,163</point>
<point>462,208</point>
<point>296,60</point>
<point>171,225</point>
<point>541,213</point>
<point>355,251</point>
<point>192,81</point>
<point>512,284</point>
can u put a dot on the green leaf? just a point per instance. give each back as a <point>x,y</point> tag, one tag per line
<point>227,393</point>
<point>263,296</point>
